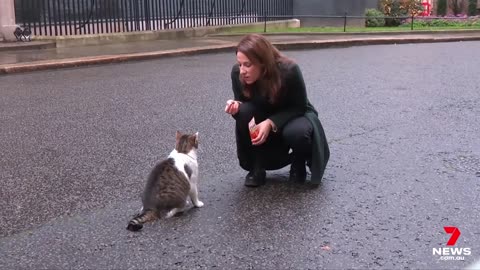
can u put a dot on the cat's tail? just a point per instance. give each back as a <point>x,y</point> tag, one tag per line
<point>137,222</point>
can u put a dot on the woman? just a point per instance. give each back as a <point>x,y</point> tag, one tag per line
<point>269,87</point>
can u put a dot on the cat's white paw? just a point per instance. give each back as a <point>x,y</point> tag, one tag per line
<point>199,204</point>
<point>171,213</point>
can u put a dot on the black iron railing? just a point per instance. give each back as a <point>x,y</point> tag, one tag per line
<point>80,17</point>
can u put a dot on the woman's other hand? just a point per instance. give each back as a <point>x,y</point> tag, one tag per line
<point>264,129</point>
<point>232,106</point>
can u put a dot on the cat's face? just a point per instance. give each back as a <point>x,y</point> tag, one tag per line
<point>186,143</point>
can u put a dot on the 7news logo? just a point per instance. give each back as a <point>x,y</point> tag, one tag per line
<point>451,253</point>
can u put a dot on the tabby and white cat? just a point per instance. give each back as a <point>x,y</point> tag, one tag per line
<point>170,183</point>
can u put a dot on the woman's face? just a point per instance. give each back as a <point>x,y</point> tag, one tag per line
<point>249,71</point>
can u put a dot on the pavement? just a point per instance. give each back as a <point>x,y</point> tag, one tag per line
<point>36,55</point>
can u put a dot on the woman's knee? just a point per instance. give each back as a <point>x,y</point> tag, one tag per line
<point>245,112</point>
<point>298,132</point>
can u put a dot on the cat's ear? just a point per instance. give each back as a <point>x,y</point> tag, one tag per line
<point>178,135</point>
<point>196,138</point>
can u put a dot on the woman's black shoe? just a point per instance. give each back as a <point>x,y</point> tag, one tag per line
<point>255,178</point>
<point>298,173</point>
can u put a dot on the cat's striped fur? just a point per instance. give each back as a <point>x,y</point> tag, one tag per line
<point>170,183</point>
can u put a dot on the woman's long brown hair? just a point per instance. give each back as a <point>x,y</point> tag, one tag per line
<point>261,52</point>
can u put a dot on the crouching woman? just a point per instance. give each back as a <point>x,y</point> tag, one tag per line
<point>269,87</point>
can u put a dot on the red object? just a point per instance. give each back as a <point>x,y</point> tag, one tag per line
<point>253,133</point>
<point>252,127</point>
<point>455,234</point>
<point>426,9</point>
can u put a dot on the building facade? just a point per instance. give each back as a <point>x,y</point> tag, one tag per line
<point>331,12</point>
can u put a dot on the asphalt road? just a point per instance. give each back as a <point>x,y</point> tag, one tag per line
<point>403,122</point>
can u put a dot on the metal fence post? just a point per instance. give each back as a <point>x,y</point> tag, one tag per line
<point>147,15</point>
<point>345,22</point>
<point>412,23</point>
<point>265,22</point>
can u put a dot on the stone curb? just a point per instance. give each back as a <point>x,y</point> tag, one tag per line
<point>108,59</point>
<point>34,45</point>
<point>317,44</point>
<point>291,45</point>
<point>379,33</point>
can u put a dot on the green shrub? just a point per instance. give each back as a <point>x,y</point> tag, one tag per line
<point>393,8</point>
<point>472,7</point>
<point>411,7</point>
<point>452,22</point>
<point>442,7</point>
<point>374,18</point>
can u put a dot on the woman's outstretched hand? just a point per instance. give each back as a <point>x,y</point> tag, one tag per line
<point>232,106</point>
<point>264,129</point>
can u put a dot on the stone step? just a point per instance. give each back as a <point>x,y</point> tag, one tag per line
<point>33,45</point>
